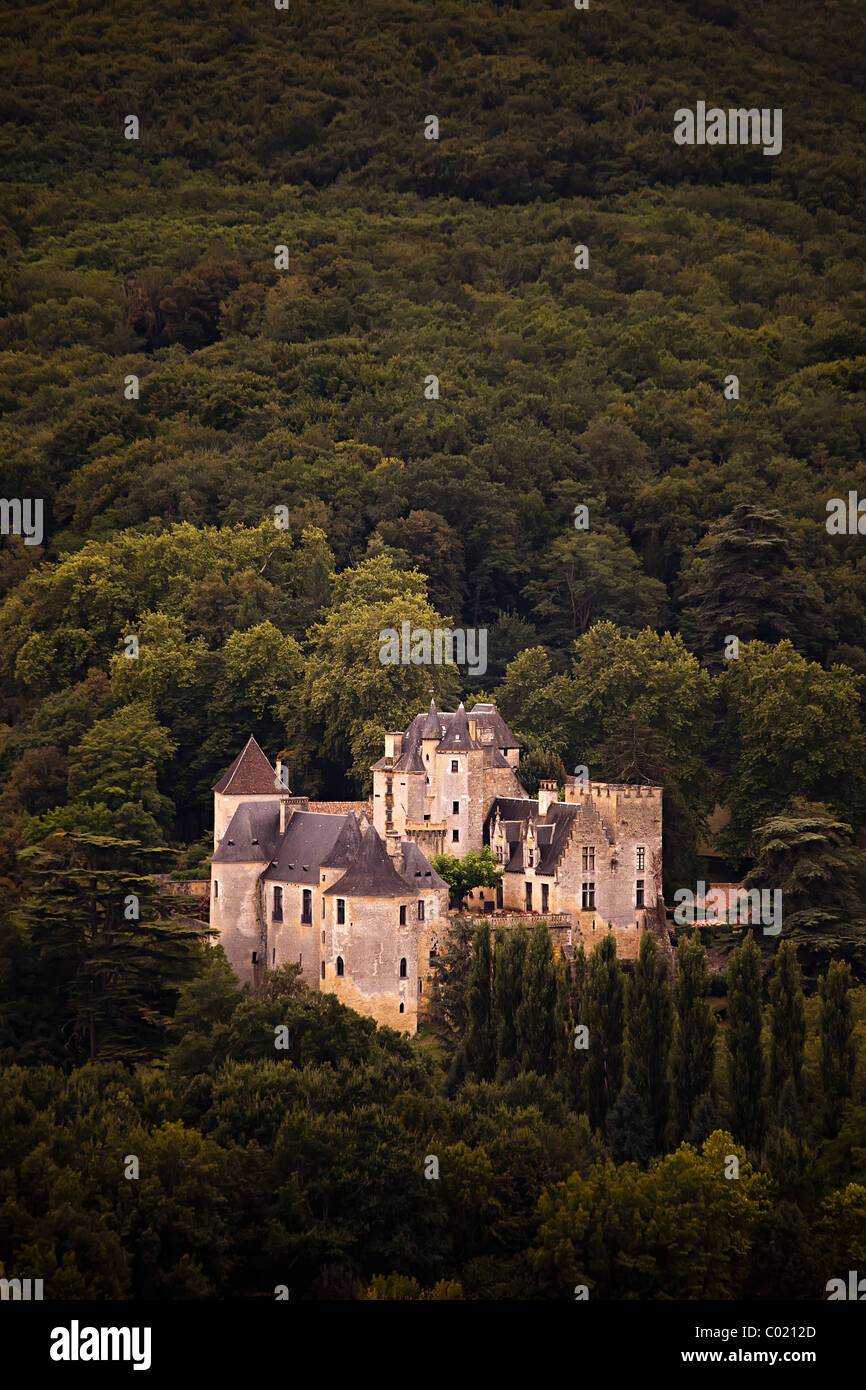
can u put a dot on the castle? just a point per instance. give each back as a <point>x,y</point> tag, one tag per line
<point>350,894</point>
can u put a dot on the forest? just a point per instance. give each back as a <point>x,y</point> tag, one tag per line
<point>217,342</point>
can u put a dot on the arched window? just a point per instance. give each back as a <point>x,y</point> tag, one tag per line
<point>339,965</point>
<point>402,967</point>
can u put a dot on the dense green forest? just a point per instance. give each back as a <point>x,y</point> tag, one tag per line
<point>244,468</point>
<point>492,1160</point>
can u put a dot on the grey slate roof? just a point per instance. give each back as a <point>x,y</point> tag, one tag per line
<point>250,774</point>
<point>311,838</point>
<point>457,737</point>
<point>418,870</point>
<point>552,832</point>
<point>372,875</point>
<point>346,846</point>
<point>251,835</point>
<point>487,716</point>
<point>410,758</point>
<point>431,726</point>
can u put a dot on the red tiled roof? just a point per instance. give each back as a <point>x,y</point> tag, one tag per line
<point>250,774</point>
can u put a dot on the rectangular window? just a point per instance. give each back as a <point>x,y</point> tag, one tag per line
<point>216,888</point>
<point>638,893</point>
<point>641,859</point>
<point>323,970</point>
<point>455,836</point>
<point>455,766</point>
<point>545,897</point>
<point>307,906</point>
<point>277,913</point>
<point>323,906</point>
<point>274,956</point>
<point>300,960</point>
<point>255,957</point>
<point>420,909</point>
<point>323,938</point>
<point>529,897</point>
<point>588,898</point>
<point>588,863</point>
<point>403,915</point>
<point>455,808</point>
<point>531,858</point>
<point>420,987</point>
<point>341,911</point>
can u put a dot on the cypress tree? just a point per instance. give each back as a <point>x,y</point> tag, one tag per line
<point>563,1023</point>
<point>694,1033</point>
<point>788,1026</point>
<point>509,962</point>
<point>649,1026</point>
<point>744,1044</point>
<point>837,1042</point>
<point>577,980</point>
<point>704,1121</point>
<point>479,1044</point>
<point>535,1016</point>
<point>603,1015</point>
<point>630,1128</point>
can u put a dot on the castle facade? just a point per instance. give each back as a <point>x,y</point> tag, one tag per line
<point>347,890</point>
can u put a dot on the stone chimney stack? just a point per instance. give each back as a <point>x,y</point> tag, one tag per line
<point>286,810</point>
<point>393,844</point>
<point>547,792</point>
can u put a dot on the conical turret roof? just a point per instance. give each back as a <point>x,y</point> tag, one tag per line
<point>372,875</point>
<point>250,774</point>
<point>457,737</point>
<point>431,728</point>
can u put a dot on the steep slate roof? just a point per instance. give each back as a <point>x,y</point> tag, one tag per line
<point>563,818</point>
<point>310,838</point>
<point>410,758</point>
<point>487,716</point>
<point>251,834</point>
<point>346,846</point>
<point>439,724</point>
<point>431,727</point>
<point>372,875</point>
<point>250,774</point>
<point>418,870</point>
<point>457,737</point>
<point>552,832</point>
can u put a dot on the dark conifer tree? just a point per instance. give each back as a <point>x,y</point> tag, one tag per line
<point>509,962</point>
<point>603,1015</point>
<point>745,1051</point>
<point>838,1054</point>
<point>648,1031</point>
<point>694,1032</point>
<point>536,1014</point>
<point>788,1022</point>
<point>479,1044</point>
<point>630,1128</point>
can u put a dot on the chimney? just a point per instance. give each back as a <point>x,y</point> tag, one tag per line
<point>547,792</point>
<point>473,725</point>
<point>282,773</point>
<point>393,743</point>
<point>286,811</point>
<point>392,844</point>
